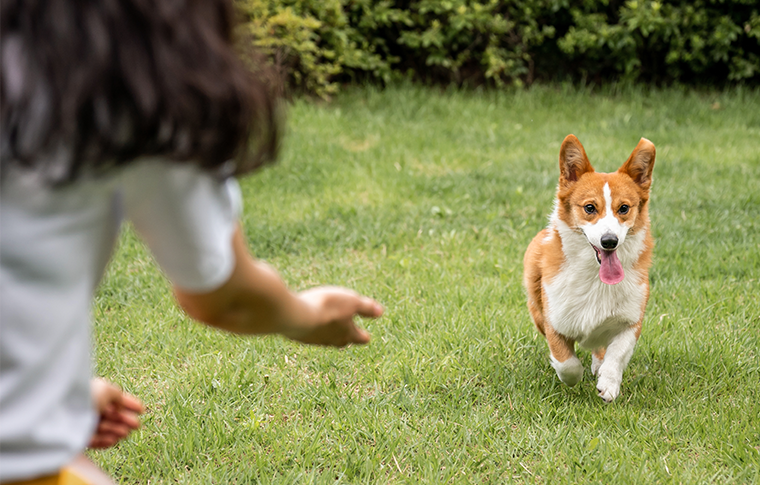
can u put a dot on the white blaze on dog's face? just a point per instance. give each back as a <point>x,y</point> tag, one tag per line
<point>604,207</point>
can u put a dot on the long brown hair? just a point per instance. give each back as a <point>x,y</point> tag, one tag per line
<point>87,85</point>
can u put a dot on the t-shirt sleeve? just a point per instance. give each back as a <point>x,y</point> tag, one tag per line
<point>187,218</point>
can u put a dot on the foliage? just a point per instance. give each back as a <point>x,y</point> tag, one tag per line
<point>311,42</point>
<point>677,40</point>
<point>319,44</point>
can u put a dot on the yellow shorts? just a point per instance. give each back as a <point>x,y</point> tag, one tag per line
<point>64,477</point>
<point>80,472</point>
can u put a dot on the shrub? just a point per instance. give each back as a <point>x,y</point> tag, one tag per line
<point>319,44</point>
<point>667,41</point>
<point>313,43</point>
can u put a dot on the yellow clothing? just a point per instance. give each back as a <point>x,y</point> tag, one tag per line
<point>67,476</point>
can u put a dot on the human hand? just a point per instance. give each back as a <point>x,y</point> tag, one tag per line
<point>118,413</point>
<point>333,310</point>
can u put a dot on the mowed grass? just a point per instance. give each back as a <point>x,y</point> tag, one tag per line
<point>426,200</point>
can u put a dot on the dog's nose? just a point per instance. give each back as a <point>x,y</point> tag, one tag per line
<point>609,241</point>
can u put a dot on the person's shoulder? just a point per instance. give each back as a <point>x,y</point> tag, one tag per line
<point>22,187</point>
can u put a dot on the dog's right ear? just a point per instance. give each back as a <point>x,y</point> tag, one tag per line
<point>573,161</point>
<point>640,164</point>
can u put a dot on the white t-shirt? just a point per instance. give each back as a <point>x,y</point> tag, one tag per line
<point>54,247</point>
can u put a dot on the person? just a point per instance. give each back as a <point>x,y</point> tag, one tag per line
<point>139,111</point>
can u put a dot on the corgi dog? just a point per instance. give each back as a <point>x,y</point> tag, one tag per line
<point>587,274</point>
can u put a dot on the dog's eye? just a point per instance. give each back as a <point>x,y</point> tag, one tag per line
<point>589,208</point>
<point>623,209</point>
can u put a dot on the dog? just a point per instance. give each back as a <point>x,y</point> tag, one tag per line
<point>587,274</point>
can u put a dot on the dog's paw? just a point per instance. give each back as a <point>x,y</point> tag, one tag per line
<point>595,364</point>
<point>570,371</point>
<point>608,385</point>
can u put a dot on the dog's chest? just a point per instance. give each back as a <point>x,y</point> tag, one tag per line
<point>583,308</point>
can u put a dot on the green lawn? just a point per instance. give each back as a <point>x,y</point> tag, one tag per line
<point>426,200</point>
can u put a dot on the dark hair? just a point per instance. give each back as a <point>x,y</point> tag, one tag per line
<point>88,85</point>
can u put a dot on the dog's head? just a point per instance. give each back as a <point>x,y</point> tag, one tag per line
<point>605,207</point>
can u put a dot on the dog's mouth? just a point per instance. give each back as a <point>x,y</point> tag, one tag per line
<point>610,267</point>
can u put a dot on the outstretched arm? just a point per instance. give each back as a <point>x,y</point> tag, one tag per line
<point>255,300</point>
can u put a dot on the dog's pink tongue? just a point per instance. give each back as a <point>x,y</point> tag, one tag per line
<point>611,271</point>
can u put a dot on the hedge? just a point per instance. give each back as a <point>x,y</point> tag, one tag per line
<point>319,44</point>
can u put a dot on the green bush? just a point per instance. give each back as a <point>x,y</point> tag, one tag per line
<point>311,42</point>
<point>317,44</point>
<point>667,41</point>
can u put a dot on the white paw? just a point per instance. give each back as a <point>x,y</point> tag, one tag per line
<point>569,371</point>
<point>595,364</point>
<point>608,384</point>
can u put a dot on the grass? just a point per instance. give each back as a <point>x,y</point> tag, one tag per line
<point>426,200</point>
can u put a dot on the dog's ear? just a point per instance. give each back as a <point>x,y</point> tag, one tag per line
<point>573,161</point>
<point>640,164</point>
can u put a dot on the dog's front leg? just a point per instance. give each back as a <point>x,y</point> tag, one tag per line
<point>568,367</point>
<point>596,360</point>
<point>616,358</point>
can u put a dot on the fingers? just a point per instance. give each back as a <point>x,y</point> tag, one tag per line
<point>131,403</point>
<point>122,416</point>
<point>334,334</point>
<point>341,303</point>
<point>348,334</point>
<point>106,437</point>
<point>365,307</point>
<point>360,336</point>
<point>369,308</point>
<point>332,318</point>
<point>99,442</point>
<point>119,413</point>
<point>113,428</point>
<point>114,425</point>
<point>107,396</point>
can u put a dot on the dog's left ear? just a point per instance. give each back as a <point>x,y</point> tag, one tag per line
<point>640,164</point>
